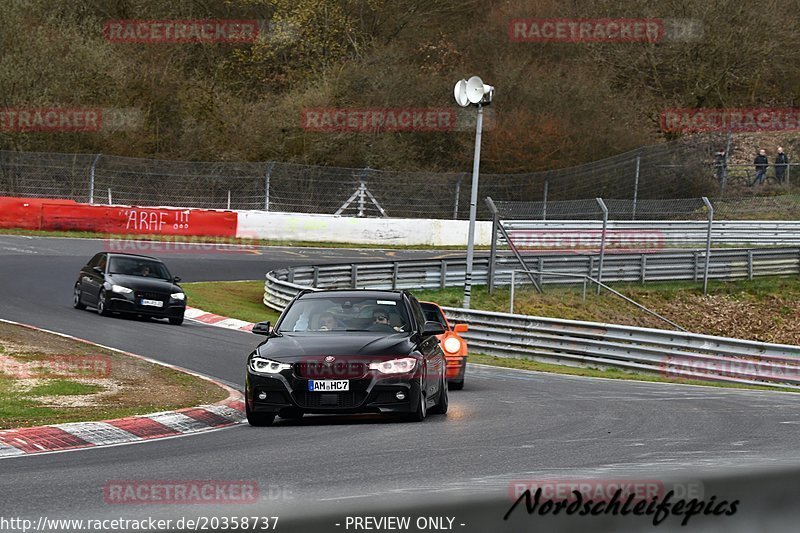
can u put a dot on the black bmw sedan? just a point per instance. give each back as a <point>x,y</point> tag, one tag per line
<point>347,351</point>
<point>131,284</point>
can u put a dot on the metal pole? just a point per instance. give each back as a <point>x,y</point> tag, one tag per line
<point>229,198</point>
<point>602,242</point>
<point>473,209</point>
<point>266,185</point>
<point>708,243</point>
<point>636,186</point>
<point>493,250</point>
<point>458,195</point>
<point>544,205</point>
<point>725,162</point>
<point>91,178</point>
<point>109,196</point>
<point>511,296</point>
<point>361,188</point>
<point>584,291</point>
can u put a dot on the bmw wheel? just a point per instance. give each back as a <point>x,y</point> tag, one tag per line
<point>76,298</point>
<point>102,305</point>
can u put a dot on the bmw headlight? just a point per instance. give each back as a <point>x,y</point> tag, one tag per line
<point>177,296</point>
<point>452,345</point>
<point>395,366</point>
<point>261,365</point>
<point>119,289</point>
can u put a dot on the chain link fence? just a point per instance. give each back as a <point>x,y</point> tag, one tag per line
<point>641,178</point>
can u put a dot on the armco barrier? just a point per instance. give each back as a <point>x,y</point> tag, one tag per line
<point>672,353</point>
<point>66,215</point>
<point>533,234</point>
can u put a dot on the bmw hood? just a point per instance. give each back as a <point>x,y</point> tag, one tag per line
<point>292,347</point>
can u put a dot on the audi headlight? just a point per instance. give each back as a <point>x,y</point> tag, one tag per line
<point>120,289</point>
<point>395,366</point>
<point>177,296</point>
<point>452,345</point>
<point>261,365</point>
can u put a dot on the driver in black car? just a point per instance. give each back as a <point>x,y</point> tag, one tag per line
<point>380,322</point>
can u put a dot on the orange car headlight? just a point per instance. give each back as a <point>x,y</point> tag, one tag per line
<point>452,345</point>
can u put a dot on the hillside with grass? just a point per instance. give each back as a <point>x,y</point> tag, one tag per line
<point>556,104</point>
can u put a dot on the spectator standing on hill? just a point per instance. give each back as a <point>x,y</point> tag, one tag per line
<point>761,162</point>
<point>781,163</point>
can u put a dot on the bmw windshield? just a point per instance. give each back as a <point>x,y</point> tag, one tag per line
<point>323,315</point>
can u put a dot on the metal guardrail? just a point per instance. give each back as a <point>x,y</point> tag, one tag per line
<point>674,353</point>
<point>657,233</point>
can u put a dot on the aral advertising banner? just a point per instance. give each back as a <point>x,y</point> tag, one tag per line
<point>138,220</point>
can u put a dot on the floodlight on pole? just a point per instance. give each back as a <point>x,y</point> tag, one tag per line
<point>473,92</point>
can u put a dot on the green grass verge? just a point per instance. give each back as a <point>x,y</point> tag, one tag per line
<point>63,387</point>
<point>235,299</point>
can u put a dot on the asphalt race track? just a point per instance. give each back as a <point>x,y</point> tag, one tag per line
<point>505,426</point>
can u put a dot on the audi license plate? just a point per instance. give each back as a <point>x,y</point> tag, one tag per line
<point>153,303</point>
<point>328,385</point>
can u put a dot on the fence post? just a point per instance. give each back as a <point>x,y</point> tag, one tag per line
<point>728,140</point>
<point>109,196</point>
<point>229,199</point>
<point>458,194</point>
<point>443,278</point>
<point>544,204</point>
<point>636,186</point>
<point>266,184</point>
<point>708,242</point>
<point>91,178</point>
<point>493,251</point>
<point>602,205</point>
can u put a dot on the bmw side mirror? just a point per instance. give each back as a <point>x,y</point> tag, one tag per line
<point>176,279</point>
<point>432,328</point>
<point>261,328</point>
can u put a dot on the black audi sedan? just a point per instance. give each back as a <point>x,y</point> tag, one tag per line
<point>347,351</point>
<point>130,284</point>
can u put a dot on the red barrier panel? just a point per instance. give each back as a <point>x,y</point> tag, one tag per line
<point>138,220</point>
<point>25,213</point>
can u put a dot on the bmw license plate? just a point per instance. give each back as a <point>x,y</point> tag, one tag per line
<point>153,303</point>
<point>328,385</point>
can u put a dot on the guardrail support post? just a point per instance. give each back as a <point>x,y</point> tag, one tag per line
<point>395,272</point>
<point>541,271</point>
<point>354,275</point>
<point>696,264</point>
<point>750,265</point>
<point>602,205</point>
<point>644,268</point>
<point>315,279</point>
<point>511,295</point>
<point>708,243</point>
<point>443,278</point>
<point>290,275</point>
